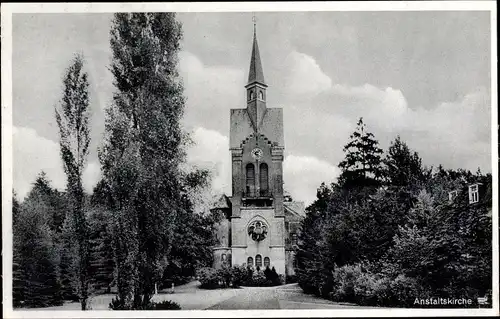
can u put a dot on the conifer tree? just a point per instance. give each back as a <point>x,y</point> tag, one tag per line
<point>362,164</point>
<point>34,255</point>
<point>72,118</point>
<point>403,168</point>
<point>17,275</point>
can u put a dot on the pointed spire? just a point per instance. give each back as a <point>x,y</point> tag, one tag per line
<point>255,74</point>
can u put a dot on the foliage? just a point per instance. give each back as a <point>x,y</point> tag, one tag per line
<point>116,304</point>
<point>165,305</point>
<point>359,284</point>
<point>143,150</point>
<point>237,276</point>
<point>193,235</point>
<point>101,258</point>
<point>68,263</point>
<point>377,243</point>
<point>74,137</point>
<point>35,259</point>
<point>403,168</point>
<point>362,164</point>
<point>258,279</point>
<point>308,254</point>
<point>209,278</point>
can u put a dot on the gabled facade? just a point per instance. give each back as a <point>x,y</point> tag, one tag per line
<point>260,226</point>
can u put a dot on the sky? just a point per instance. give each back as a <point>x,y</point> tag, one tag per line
<point>422,75</point>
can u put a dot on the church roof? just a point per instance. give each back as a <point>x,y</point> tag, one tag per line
<point>241,126</point>
<point>297,208</point>
<point>255,74</point>
<point>221,203</point>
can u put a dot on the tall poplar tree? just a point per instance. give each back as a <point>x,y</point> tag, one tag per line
<point>143,150</point>
<point>72,117</point>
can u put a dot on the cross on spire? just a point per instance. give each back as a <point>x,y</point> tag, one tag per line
<point>255,74</point>
<point>254,19</point>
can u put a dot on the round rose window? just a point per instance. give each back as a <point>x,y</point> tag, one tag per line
<point>257,230</point>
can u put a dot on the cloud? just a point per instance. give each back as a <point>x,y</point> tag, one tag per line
<point>305,76</point>
<point>33,153</point>
<point>304,174</point>
<point>211,151</point>
<point>211,91</point>
<point>91,176</point>
<point>456,134</point>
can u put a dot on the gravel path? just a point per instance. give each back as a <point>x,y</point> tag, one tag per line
<point>190,297</point>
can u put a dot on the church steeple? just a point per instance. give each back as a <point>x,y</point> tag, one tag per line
<point>255,75</point>
<point>256,86</point>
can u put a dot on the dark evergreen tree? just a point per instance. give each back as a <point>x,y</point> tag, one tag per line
<point>34,254</point>
<point>101,261</point>
<point>17,275</point>
<point>362,164</point>
<point>308,260</point>
<point>74,137</point>
<point>68,261</point>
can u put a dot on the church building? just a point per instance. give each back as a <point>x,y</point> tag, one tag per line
<point>260,223</point>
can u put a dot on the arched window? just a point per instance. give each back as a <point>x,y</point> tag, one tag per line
<point>251,95</point>
<point>250,173</point>
<point>261,95</point>
<point>258,261</point>
<point>223,257</point>
<point>250,261</point>
<point>264,179</point>
<point>267,262</point>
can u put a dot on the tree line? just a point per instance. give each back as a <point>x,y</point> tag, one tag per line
<point>391,230</point>
<point>141,227</point>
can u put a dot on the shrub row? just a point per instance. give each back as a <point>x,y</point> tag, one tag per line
<point>364,285</point>
<point>116,304</point>
<point>236,276</point>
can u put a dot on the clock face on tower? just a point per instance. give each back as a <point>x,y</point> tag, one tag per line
<point>257,153</point>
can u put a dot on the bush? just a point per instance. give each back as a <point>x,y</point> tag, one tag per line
<point>306,283</point>
<point>345,281</point>
<point>116,304</point>
<point>403,290</point>
<point>357,284</point>
<point>209,278</point>
<point>259,279</point>
<point>291,279</point>
<point>236,276</point>
<point>162,305</point>
<point>239,275</point>
<point>166,305</point>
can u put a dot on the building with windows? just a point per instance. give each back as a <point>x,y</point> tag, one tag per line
<point>259,224</point>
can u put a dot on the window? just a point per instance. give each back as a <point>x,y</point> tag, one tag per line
<point>258,261</point>
<point>251,95</point>
<point>473,194</point>
<point>261,95</point>
<point>257,230</point>
<point>264,179</point>
<point>452,195</point>
<point>250,261</point>
<point>294,239</point>
<point>250,173</point>
<point>223,257</point>
<point>267,262</point>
